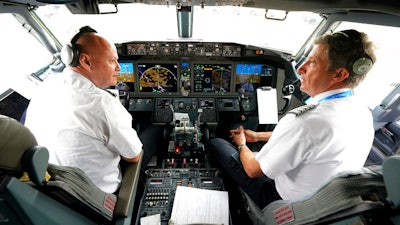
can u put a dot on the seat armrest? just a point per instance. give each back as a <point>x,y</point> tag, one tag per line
<point>35,161</point>
<point>391,177</point>
<point>127,191</point>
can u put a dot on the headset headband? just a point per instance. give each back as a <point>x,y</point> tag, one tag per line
<point>82,31</point>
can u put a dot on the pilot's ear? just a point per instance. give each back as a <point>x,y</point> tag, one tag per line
<point>84,59</point>
<point>340,75</point>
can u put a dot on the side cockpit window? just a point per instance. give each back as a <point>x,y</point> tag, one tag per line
<point>21,55</point>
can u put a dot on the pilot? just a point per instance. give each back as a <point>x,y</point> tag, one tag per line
<point>80,122</point>
<point>312,143</point>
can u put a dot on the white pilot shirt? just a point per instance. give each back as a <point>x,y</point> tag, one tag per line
<point>83,126</point>
<point>304,151</point>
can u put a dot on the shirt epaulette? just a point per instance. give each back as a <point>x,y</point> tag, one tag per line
<point>302,109</point>
<point>109,92</point>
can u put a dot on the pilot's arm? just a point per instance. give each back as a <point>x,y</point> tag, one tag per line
<point>250,164</point>
<point>120,136</point>
<point>132,160</point>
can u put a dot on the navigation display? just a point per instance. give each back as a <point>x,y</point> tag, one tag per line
<point>214,78</point>
<point>158,77</point>
<point>252,76</point>
<point>126,74</point>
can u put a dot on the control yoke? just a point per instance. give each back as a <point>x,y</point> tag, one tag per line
<point>241,97</point>
<point>287,92</point>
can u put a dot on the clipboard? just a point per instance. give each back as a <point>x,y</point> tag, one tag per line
<point>267,105</point>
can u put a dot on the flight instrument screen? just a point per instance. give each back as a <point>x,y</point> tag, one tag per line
<point>212,77</point>
<point>126,74</point>
<point>252,76</point>
<point>158,77</point>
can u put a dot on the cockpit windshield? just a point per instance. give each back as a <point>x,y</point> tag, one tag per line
<point>142,22</point>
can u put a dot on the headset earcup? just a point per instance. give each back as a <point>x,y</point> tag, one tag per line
<point>70,55</point>
<point>362,65</point>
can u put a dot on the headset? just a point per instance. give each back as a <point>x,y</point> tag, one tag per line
<point>70,52</point>
<point>362,63</point>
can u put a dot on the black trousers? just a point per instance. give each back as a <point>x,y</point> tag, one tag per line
<point>261,190</point>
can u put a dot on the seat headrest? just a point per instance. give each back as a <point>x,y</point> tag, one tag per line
<point>15,140</point>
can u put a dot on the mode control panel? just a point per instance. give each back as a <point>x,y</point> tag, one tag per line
<point>198,109</point>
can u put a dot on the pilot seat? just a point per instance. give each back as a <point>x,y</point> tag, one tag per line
<point>368,196</point>
<point>32,191</point>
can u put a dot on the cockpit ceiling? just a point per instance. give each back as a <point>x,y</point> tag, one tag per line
<point>318,6</point>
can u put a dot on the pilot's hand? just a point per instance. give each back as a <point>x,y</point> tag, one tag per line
<point>238,136</point>
<point>250,136</point>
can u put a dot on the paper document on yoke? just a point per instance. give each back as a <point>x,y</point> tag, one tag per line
<point>267,106</point>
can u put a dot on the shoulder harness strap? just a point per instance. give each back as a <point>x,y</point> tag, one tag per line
<point>302,109</point>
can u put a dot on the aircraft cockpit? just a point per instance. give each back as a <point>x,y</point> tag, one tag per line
<point>197,70</point>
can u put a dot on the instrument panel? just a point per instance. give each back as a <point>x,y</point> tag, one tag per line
<point>180,68</point>
<point>197,78</point>
<point>184,78</point>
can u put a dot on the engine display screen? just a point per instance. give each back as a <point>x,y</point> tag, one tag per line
<point>252,76</point>
<point>158,77</point>
<point>214,78</point>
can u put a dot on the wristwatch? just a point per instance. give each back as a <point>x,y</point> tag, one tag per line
<point>240,146</point>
